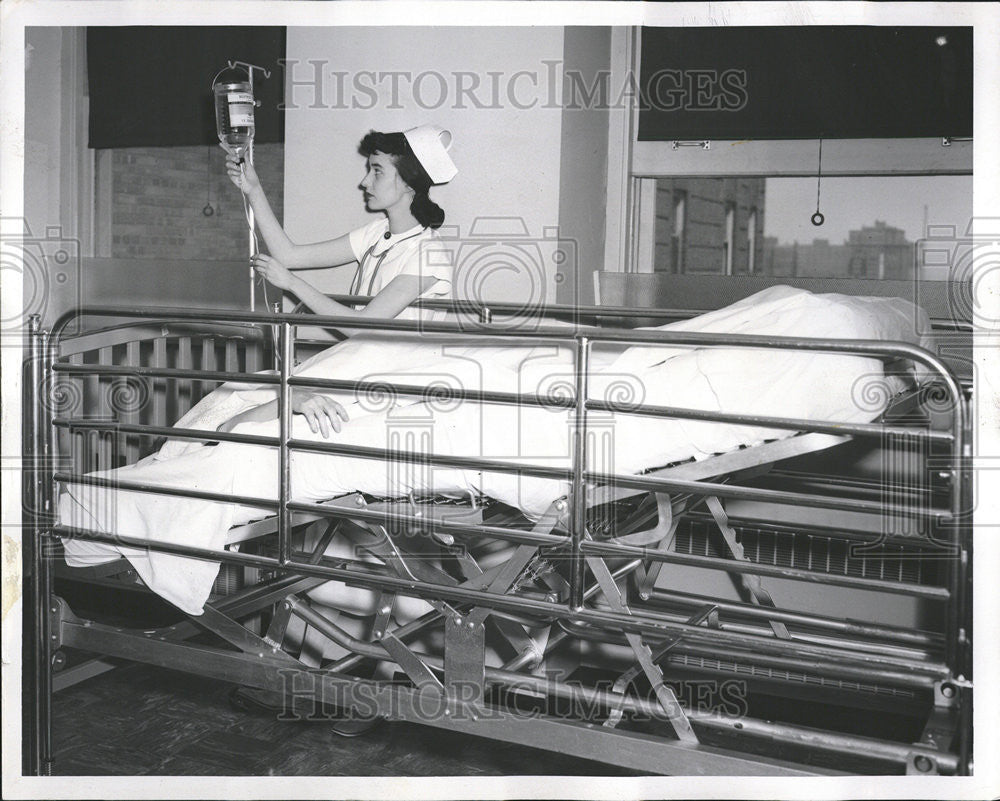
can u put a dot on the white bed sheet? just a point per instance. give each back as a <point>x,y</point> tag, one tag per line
<point>752,381</point>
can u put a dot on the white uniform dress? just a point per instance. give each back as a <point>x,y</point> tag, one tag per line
<point>383,255</point>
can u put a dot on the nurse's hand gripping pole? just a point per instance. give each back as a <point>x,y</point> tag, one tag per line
<point>234,105</point>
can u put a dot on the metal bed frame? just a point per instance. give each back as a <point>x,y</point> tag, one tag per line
<point>607,593</point>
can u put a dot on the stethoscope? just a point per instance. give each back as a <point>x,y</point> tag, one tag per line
<point>359,275</point>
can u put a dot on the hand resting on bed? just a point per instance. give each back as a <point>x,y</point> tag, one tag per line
<point>322,413</point>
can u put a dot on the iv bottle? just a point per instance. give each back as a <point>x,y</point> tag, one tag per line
<point>234,116</point>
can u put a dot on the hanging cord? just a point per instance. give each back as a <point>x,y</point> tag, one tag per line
<point>818,218</point>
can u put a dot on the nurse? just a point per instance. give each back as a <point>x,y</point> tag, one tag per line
<point>399,256</point>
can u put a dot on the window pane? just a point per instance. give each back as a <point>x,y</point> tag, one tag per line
<point>872,226</point>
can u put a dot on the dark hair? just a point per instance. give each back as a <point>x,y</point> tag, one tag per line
<point>427,212</point>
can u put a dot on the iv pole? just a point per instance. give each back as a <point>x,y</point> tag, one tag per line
<point>249,156</point>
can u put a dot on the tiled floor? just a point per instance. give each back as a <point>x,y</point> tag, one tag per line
<point>141,720</point>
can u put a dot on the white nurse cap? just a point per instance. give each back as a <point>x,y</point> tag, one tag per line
<point>430,145</point>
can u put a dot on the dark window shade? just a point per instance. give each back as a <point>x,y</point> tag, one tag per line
<point>152,86</point>
<point>805,83</point>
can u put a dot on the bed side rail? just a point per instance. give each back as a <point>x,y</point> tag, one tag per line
<point>954,439</point>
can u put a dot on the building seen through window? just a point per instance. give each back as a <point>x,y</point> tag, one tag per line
<point>694,216</point>
<point>874,226</point>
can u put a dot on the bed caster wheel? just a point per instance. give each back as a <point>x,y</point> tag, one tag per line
<point>58,661</point>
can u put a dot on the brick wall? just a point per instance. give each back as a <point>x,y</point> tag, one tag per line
<point>159,194</point>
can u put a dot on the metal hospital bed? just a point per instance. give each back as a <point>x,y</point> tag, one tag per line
<point>615,639</point>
